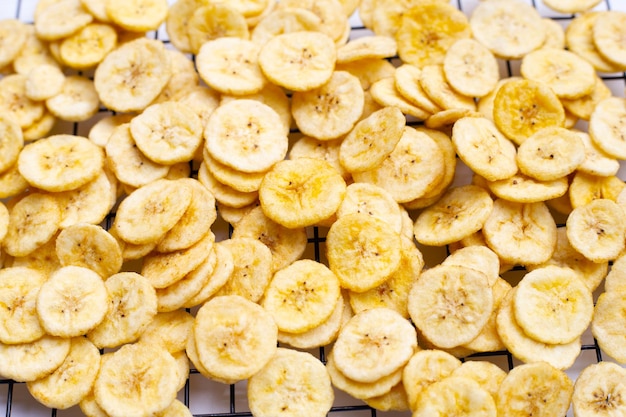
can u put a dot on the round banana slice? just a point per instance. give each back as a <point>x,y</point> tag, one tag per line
<point>615,280</point>
<point>555,34</point>
<point>425,368</point>
<point>433,81</point>
<point>605,126</point>
<point>44,259</point>
<point>72,301</point>
<point>373,344</point>
<point>460,212</point>
<point>522,107</point>
<point>235,338</point>
<point>327,150</point>
<point>362,251</point>
<point>170,330</point>
<point>407,82</point>
<point>167,133</point>
<point>44,82</point>
<point>224,267</point>
<point>11,143</point>
<point>385,93</point>
<point>19,322</point>
<point>452,394</point>
<point>394,400</point>
<point>330,12</point>
<point>4,221</point>
<point>552,305</point>
<point>285,20</point>
<point>246,135</point>
<point>61,19</point>
<point>77,101</point>
<point>569,75</point>
<point>230,66</point>
<point>131,76</point>
<point>89,246</point>
<point>33,221</point>
<point>599,390</point>
<point>362,197</point>
<point>301,192</point>
<point>450,304</point>
<point>480,258</point>
<point>509,29</point>
<point>161,202</point>
<point>527,349</point>
<point>583,107</point>
<point>286,244</point>
<point>538,389</point>
<point>521,233</point>
<point>482,147</point>
<point>585,188</point>
<point>133,305</point>
<point>86,204</point>
<point>301,296</point>
<point>372,140</point>
<point>102,130</point>
<point>550,153</point>
<point>413,169</point>
<point>26,362</point>
<point>88,47</point>
<point>357,389</point>
<point>374,46</point>
<point>608,319</point>
<point>137,379</point>
<point>608,29</point>
<point>127,162</point>
<point>15,104</point>
<point>596,162</point>
<point>13,36</point>
<point>331,110</point>
<point>252,268</point>
<point>225,195</point>
<point>212,21</point>
<point>487,374</point>
<point>72,380</point>
<point>137,15</point>
<point>294,384</point>
<point>298,61</point>
<point>596,230</point>
<point>470,68</point>
<point>579,39</point>
<point>427,30</point>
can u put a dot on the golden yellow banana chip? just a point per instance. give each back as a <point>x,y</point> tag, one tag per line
<point>327,150</point>
<point>453,393</point>
<point>137,15</point>
<point>25,362</point>
<point>88,47</point>
<point>427,30</point>
<point>225,195</point>
<point>301,192</point>
<point>170,330</point>
<point>599,389</point>
<point>585,188</point>
<point>294,384</point>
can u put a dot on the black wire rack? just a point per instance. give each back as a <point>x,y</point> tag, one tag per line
<point>210,399</point>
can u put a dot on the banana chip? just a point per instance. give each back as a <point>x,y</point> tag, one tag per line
<point>607,30</point>
<point>599,389</point>
<point>608,320</point>
<point>88,47</point>
<point>470,68</point>
<point>213,21</point>
<point>452,394</point>
<point>24,362</point>
<point>60,19</point>
<point>579,39</point>
<point>137,15</point>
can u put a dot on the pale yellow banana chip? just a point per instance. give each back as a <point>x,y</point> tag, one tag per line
<point>229,65</point>
<point>385,93</point>
<point>44,259</point>
<point>367,47</point>
<point>19,322</point>
<point>362,251</point>
<point>298,61</point>
<point>453,393</point>
<point>596,162</point>
<point>450,304</point>
<point>550,153</point>
<point>133,305</point>
<point>579,39</point>
<point>202,100</point>
<point>482,147</point>
<point>327,150</point>
<point>131,76</point>
<point>552,305</point>
<point>211,21</point>
<point>368,71</point>
<point>102,130</point>
<point>427,30</point>
<point>604,127</point>
<point>184,78</point>
<point>433,81</point>
<point>225,195</point>
<point>596,230</point>
<point>394,400</point>
<point>72,380</point>
<point>60,19</point>
<point>286,244</point>
<point>89,246</point>
<point>585,188</point>
<point>333,21</point>
<point>599,390</point>
<point>359,353</point>
<point>170,330</point>
<point>90,203</point>
<point>151,371</point>
<point>470,68</point>
<point>25,362</point>
<point>487,374</point>
<point>407,82</point>
<point>301,192</point>
<point>555,34</point>
<point>608,319</point>
<point>569,75</point>
<point>235,338</point>
<point>607,32</point>
<point>522,107</point>
<point>571,6</point>
<point>77,101</point>
<point>44,81</point>
<point>224,268</point>
<point>285,20</point>
<point>414,168</point>
<point>4,221</point>
<point>372,140</point>
<point>246,135</point>
<point>88,47</point>
<point>14,102</point>
<point>137,15</point>
<point>13,36</point>
<point>11,143</point>
<point>499,26</point>
<point>583,107</point>
<point>33,221</point>
<point>331,110</point>
<point>72,301</point>
<point>460,212</point>
<point>525,348</point>
<point>294,384</point>
<point>537,389</point>
<point>615,281</point>
<point>34,52</point>
<point>480,258</point>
